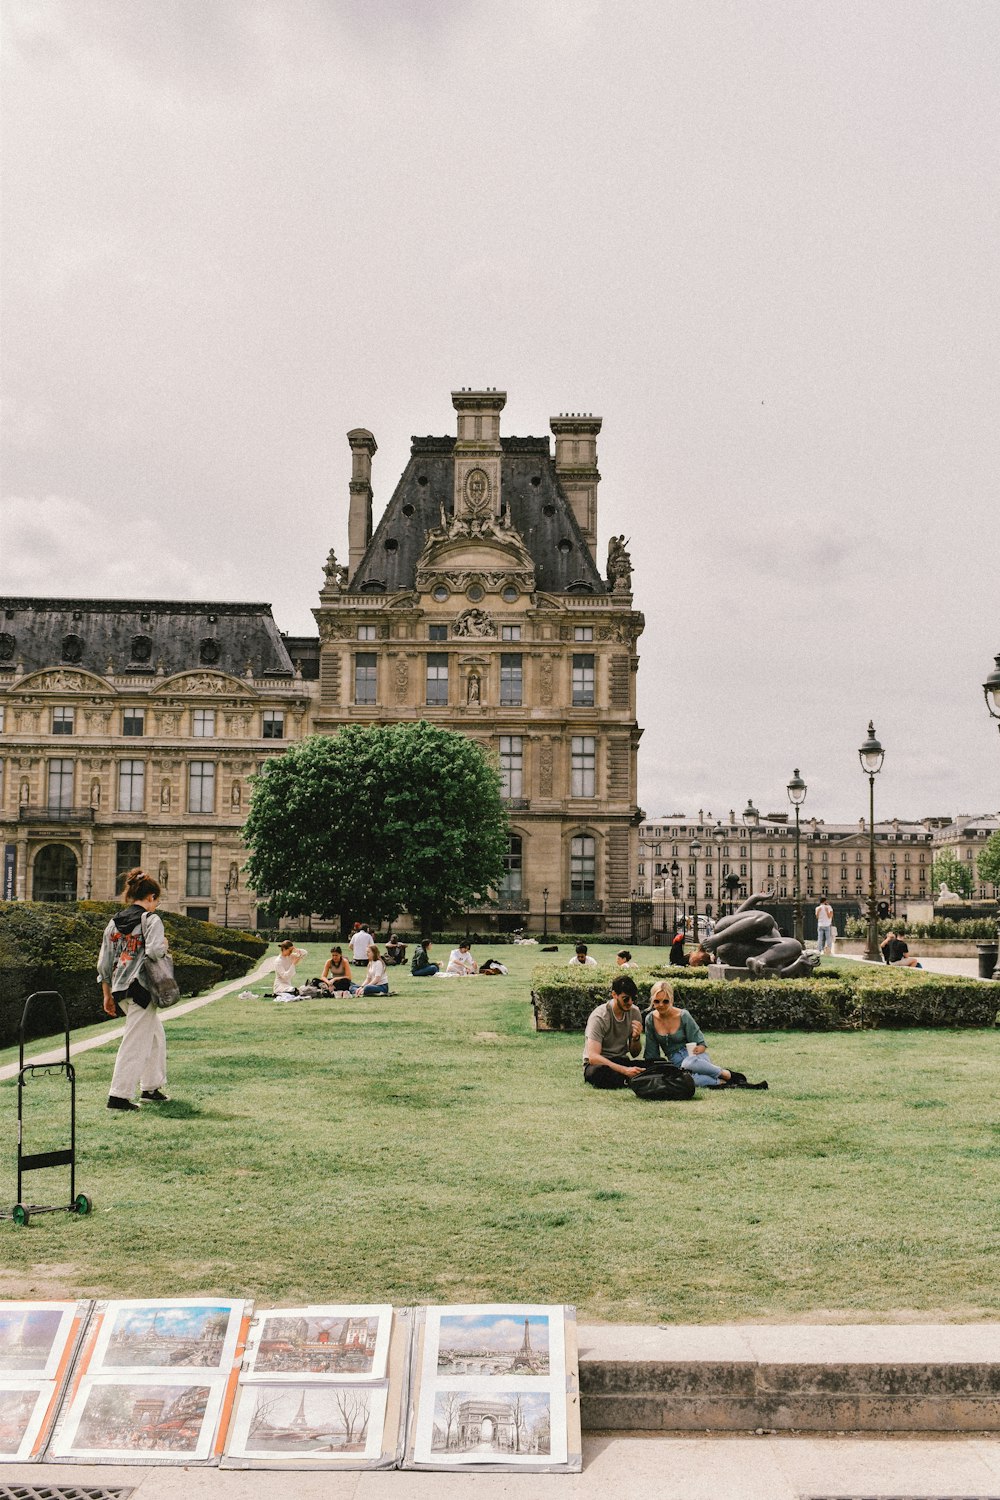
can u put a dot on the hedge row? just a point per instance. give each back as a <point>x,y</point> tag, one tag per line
<point>55,947</point>
<point>982,928</point>
<point>562,1002</point>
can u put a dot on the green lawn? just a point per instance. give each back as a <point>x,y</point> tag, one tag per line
<point>431,1146</point>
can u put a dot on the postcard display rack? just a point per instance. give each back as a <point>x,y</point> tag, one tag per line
<point>202,1380</point>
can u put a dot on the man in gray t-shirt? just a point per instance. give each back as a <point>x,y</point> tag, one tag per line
<point>613,1038</point>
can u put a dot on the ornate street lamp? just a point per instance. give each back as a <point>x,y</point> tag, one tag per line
<point>719,835</point>
<point>695,848</point>
<point>796,796</point>
<point>545,914</point>
<point>751,818</point>
<point>227,888</point>
<point>675,871</point>
<point>991,692</point>
<point>871,756</point>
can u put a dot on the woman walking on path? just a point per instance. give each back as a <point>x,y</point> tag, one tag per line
<point>129,936</point>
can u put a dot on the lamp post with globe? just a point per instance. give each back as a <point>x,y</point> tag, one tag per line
<point>991,692</point>
<point>871,755</point>
<point>796,796</point>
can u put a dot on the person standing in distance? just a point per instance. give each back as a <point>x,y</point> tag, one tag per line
<point>824,926</point>
<point>129,936</point>
<point>361,941</point>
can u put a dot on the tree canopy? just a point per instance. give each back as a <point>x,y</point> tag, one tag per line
<point>988,860</point>
<point>956,875</point>
<point>374,821</point>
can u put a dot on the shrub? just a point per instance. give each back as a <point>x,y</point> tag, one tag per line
<point>562,1002</point>
<point>981,928</point>
<point>55,947</point>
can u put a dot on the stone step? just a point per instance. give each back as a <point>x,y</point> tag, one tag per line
<point>885,1378</point>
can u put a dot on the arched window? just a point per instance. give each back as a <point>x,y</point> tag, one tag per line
<point>583,867</point>
<point>510,888</point>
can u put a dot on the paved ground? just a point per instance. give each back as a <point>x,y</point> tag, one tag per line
<point>641,1468</point>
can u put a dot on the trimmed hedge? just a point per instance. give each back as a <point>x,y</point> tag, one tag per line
<point>983,929</point>
<point>562,1002</point>
<point>55,947</point>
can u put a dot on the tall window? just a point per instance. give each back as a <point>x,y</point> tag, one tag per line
<point>583,680</point>
<point>131,785</point>
<point>60,785</point>
<point>511,765</point>
<point>437,632</point>
<point>510,887</point>
<point>437,677</point>
<point>201,786</point>
<point>133,721</point>
<point>510,632</point>
<point>128,854</point>
<point>583,781</point>
<point>582,867</point>
<point>199,870</point>
<point>273,724</point>
<point>62,720</point>
<point>365,673</point>
<point>510,678</point>
<point>583,632</point>
<point>203,723</point>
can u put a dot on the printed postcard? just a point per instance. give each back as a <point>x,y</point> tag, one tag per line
<point>198,1332</point>
<point>346,1343</point>
<point>478,1423</point>
<point>313,1420</point>
<point>23,1405</point>
<point>33,1337</point>
<point>141,1416</point>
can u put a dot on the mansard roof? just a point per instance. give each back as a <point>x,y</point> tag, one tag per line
<point>140,636</point>
<point>530,494</point>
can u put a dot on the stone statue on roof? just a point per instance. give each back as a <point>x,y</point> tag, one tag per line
<point>619,566</point>
<point>336,573</point>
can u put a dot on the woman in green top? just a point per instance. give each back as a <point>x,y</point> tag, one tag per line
<point>668,1031</point>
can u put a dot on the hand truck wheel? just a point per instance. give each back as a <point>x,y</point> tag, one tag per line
<point>20,1215</point>
<point>82,1204</point>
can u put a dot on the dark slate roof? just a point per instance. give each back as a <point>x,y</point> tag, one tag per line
<point>138,635</point>
<point>531,492</point>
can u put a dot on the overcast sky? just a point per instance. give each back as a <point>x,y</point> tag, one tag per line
<point>759,239</point>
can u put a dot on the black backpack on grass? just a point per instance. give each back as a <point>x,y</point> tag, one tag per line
<point>662,1082</point>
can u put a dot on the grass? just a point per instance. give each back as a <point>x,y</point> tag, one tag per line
<point>430,1146</point>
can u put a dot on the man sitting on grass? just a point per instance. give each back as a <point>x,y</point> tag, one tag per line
<point>613,1038</point>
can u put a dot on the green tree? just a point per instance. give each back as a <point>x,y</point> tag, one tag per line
<point>374,821</point>
<point>988,860</point>
<point>956,876</point>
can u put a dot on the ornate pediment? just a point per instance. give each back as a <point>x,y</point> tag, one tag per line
<point>205,685</point>
<point>480,545</point>
<point>60,681</point>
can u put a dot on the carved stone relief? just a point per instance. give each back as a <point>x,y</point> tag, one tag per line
<point>545,680</point>
<point>545,768</point>
<point>202,682</point>
<point>401,678</point>
<point>474,624</point>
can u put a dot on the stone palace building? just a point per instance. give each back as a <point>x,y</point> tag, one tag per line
<point>129,729</point>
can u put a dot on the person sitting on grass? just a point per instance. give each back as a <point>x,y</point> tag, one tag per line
<point>289,958</point>
<point>624,960</point>
<point>395,951</point>
<point>336,973</point>
<point>581,958</point>
<point>421,966</point>
<point>375,982</point>
<point>700,958</point>
<point>896,952</point>
<point>461,963</point>
<point>677,954</point>
<point>669,1030</point>
<point>614,1038</point>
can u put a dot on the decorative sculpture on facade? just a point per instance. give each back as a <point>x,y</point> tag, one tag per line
<point>475,624</point>
<point>336,574</point>
<point>619,566</point>
<point>750,939</point>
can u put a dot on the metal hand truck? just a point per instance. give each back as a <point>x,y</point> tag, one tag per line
<point>78,1203</point>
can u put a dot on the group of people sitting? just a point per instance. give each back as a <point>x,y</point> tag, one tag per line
<point>336,977</point>
<point>620,1042</point>
<point>460,965</point>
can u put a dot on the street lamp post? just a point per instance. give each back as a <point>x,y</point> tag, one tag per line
<point>751,818</point>
<point>545,914</point>
<point>675,870</point>
<point>892,884</point>
<point>695,847</point>
<point>796,796</point>
<point>227,888</point>
<point>719,835</point>
<point>991,692</point>
<point>871,756</point>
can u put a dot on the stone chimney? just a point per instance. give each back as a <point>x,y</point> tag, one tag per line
<point>576,466</point>
<point>477,451</point>
<point>359,516</point>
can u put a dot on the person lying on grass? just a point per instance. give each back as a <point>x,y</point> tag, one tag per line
<point>669,1030</point>
<point>614,1038</point>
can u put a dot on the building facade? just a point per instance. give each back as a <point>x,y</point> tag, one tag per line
<point>128,733</point>
<point>964,837</point>
<point>477,604</point>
